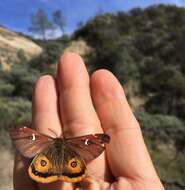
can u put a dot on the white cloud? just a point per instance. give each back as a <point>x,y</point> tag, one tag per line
<point>50,34</point>
<point>54,33</point>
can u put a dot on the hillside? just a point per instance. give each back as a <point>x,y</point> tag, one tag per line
<point>11,43</point>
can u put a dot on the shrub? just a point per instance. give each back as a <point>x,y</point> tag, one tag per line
<point>14,110</point>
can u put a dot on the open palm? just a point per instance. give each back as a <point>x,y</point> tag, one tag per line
<point>74,104</point>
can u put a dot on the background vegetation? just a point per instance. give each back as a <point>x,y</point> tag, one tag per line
<point>145,49</point>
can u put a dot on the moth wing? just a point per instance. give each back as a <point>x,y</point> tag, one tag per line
<point>73,166</point>
<point>56,163</point>
<point>90,146</point>
<point>42,168</point>
<point>29,142</point>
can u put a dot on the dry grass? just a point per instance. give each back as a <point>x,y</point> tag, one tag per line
<point>80,47</point>
<point>11,43</point>
<point>15,41</point>
<point>6,169</point>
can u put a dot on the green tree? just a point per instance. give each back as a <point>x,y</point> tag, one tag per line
<point>45,63</point>
<point>21,78</point>
<point>14,110</point>
<point>40,23</point>
<point>58,19</point>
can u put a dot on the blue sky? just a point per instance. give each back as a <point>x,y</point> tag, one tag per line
<point>15,14</point>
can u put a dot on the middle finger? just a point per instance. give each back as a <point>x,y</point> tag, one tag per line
<point>76,108</point>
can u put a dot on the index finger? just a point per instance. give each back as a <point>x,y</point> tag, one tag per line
<point>45,117</point>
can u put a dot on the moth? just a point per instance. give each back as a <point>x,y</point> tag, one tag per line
<point>57,158</point>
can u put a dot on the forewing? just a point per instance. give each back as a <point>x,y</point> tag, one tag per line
<point>29,142</point>
<point>89,146</point>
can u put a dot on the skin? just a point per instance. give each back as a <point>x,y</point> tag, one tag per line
<point>75,104</point>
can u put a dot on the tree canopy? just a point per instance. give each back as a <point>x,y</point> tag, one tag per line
<point>145,45</point>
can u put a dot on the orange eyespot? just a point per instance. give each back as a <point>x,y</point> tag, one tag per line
<point>74,165</point>
<point>42,164</point>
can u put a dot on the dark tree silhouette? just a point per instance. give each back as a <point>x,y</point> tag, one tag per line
<point>40,23</point>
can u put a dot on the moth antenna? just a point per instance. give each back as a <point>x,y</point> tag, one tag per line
<point>53,132</point>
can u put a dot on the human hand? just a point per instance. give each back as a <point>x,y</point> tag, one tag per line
<point>73,105</point>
